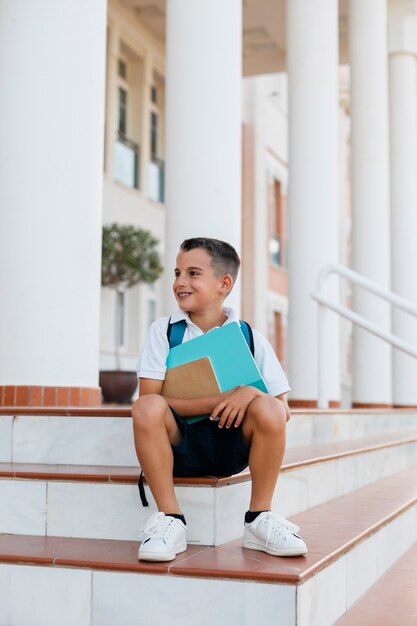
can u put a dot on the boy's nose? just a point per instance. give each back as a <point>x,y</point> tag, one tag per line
<point>179,281</point>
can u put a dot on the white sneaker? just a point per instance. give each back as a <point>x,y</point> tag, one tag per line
<point>273,534</point>
<point>162,538</point>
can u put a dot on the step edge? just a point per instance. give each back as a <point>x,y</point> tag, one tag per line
<point>349,545</point>
<point>211,481</point>
<point>346,453</point>
<point>180,569</point>
<point>126,412</point>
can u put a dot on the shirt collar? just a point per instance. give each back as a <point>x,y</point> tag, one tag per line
<point>182,315</point>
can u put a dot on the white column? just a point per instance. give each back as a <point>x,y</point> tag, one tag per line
<point>345,222</point>
<point>203,126</point>
<point>370,194</point>
<point>312,52</point>
<point>403,145</point>
<point>52,76</point>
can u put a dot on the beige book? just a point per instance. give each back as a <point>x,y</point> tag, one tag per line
<point>195,379</point>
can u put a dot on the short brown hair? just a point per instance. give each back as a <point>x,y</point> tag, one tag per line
<point>225,259</point>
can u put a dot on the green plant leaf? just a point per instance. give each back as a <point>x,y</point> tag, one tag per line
<point>129,256</point>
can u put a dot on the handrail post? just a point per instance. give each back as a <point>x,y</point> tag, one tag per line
<point>322,357</point>
<point>322,352</point>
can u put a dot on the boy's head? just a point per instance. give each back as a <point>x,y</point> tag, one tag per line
<point>224,257</point>
<point>205,273</point>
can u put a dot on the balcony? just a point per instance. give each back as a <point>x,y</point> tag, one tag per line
<point>156,180</point>
<point>126,162</point>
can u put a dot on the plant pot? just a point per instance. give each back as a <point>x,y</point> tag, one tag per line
<point>118,386</point>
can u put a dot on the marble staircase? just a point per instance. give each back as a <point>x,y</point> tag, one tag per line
<point>70,516</point>
<point>392,600</point>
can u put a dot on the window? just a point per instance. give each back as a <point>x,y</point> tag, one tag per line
<point>126,164</point>
<point>122,69</point>
<point>156,166</point>
<point>156,172</point>
<point>126,151</point>
<point>122,111</point>
<point>276,241</point>
<point>154,134</point>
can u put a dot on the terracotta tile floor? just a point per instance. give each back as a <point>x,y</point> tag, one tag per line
<point>91,553</point>
<point>96,473</point>
<point>327,530</point>
<point>102,411</point>
<point>392,601</point>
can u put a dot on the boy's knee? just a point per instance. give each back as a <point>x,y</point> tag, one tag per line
<point>147,410</point>
<point>268,414</point>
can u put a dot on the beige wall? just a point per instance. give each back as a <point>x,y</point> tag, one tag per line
<point>143,53</point>
<point>265,159</point>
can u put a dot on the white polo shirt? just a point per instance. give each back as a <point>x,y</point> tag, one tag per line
<point>151,363</point>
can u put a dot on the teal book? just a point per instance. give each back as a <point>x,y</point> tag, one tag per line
<point>229,354</point>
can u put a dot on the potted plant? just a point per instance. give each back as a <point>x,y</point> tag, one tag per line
<point>129,257</point>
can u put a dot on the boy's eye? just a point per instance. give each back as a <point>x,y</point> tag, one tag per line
<point>193,273</point>
<point>176,274</point>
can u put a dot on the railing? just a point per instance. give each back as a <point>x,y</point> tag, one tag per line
<point>156,179</point>
<point>324,303</point>
<point>126,161</point>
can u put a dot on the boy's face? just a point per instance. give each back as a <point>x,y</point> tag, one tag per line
<point>196,287</point>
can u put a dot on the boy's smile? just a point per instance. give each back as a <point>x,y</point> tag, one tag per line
<point>196,287</point>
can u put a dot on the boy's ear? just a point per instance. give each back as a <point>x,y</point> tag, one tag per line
<point>227,283</point>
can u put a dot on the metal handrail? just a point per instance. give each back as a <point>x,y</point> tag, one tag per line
<point>324,303</point>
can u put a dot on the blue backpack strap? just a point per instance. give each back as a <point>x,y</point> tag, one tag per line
<point>175,333</point>
<point>248,334</point>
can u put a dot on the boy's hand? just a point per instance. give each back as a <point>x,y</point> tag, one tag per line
<point>234,406</point>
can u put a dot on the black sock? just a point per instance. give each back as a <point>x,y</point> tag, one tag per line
<point>177,516</point>
<point>250,516</point>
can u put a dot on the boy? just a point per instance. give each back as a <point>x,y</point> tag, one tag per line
<point>246,426</point>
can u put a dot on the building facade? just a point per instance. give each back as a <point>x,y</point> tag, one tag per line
<point>142,116</point>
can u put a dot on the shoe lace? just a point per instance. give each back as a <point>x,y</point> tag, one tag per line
<point>158,526</point>
<point>276,523</point>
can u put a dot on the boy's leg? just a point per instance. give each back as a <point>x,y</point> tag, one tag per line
<point>155,429</point>
<point>264,430</point>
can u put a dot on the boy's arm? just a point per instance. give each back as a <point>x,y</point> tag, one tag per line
<point>185,407</point>
<point>232,409</point>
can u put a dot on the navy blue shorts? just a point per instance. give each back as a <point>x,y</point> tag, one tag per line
<point>207,450</point>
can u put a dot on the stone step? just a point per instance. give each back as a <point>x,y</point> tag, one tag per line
<point>392,601</point>
<point>104,436</point>
<point>103,502</point>
<point>353,540</point>
<point>70,436</point>
<point>318,426</point>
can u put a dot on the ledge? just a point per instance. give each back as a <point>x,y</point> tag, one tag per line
<point>328,531</point>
